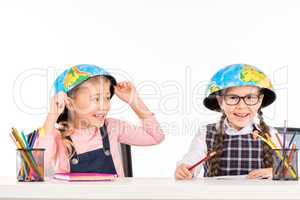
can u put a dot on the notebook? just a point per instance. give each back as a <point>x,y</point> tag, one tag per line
<point>85,176</point>
<point>233,177</point>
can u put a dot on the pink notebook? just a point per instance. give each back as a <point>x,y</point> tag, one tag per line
<point>85,176</point>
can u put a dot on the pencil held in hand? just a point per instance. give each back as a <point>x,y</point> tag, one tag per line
<point>208,156</point>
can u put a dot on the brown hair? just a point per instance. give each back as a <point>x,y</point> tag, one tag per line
<point>265,132</point>
<point>214,163</point>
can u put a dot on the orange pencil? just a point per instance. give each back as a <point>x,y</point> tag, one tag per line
<point>290,156</point>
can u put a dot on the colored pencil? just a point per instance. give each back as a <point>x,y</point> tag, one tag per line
<point>284,134</point>
<point>28,158</point>
<point>211,154</point>
<point>271,144</point>
<point>292,139</point>
<point>278,139</point>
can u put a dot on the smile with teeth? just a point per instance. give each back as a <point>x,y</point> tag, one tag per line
<point>241,115</point>
<point>99,115</point>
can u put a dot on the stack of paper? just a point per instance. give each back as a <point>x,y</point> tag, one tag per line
<point>85,176</point>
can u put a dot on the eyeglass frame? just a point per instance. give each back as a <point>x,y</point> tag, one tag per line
<point>259,96</point>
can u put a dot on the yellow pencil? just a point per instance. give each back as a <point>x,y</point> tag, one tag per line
<point>278,154</point>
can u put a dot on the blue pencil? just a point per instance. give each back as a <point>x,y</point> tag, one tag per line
<point>33,139</point>
<point>284,148</point>
<point>25,140</point>
<point>284,134</point>
<point>292,139</point>
<point>30,138</point>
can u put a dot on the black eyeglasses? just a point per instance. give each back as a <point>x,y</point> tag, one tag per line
<point>250,99</point>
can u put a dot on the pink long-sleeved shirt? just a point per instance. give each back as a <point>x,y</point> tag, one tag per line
<point>85,140</point>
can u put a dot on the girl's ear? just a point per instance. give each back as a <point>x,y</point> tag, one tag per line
<point>261,98</point>
<point>69,103</point>
<point>220,101</point>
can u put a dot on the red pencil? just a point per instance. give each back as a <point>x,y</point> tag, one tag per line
<point>211,154</point>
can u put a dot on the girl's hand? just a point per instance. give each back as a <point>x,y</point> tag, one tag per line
<point>126,91</point>
<point>57,106</point>
<point>182,172</point>
<point>58,103</point>
<point>260,173</point>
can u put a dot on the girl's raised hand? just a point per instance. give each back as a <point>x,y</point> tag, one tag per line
<point>58,103</point>
<point>126,91</point>
<point>57,106</point>
<point>182,172</point>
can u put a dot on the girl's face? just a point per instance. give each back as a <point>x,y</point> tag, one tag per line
<point>91,103</point>
<point>240,105</point>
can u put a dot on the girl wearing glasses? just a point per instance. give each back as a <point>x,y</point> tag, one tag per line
<point>238,92</point>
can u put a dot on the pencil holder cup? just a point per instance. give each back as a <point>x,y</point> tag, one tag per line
<point>285,164</point>
<point>30,165</point>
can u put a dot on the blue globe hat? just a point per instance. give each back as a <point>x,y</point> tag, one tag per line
<point>234,76</point>
<point>77,74</point>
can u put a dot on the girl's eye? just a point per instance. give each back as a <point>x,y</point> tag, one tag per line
<point>251,97</point>
<point>95,99</point>
<point>233,97</point>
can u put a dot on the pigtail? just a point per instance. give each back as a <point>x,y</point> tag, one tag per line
<point>66,130</point>
<point>267,151</point>
<point>214,162</point>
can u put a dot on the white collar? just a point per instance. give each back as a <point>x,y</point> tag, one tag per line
<point>244,131</point>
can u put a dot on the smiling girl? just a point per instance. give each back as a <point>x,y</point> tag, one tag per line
<point>238,92</point>
<point>79,135</point>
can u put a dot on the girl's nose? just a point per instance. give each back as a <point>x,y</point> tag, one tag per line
<point>241,104</point>
<point>104,105</point>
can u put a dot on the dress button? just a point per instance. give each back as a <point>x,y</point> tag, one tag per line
<point>75,161</point>
<point>107,152</point>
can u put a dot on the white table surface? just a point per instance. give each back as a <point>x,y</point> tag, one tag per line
<point>151,188</point>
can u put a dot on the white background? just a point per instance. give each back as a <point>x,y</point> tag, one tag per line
<point>168,49</point>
